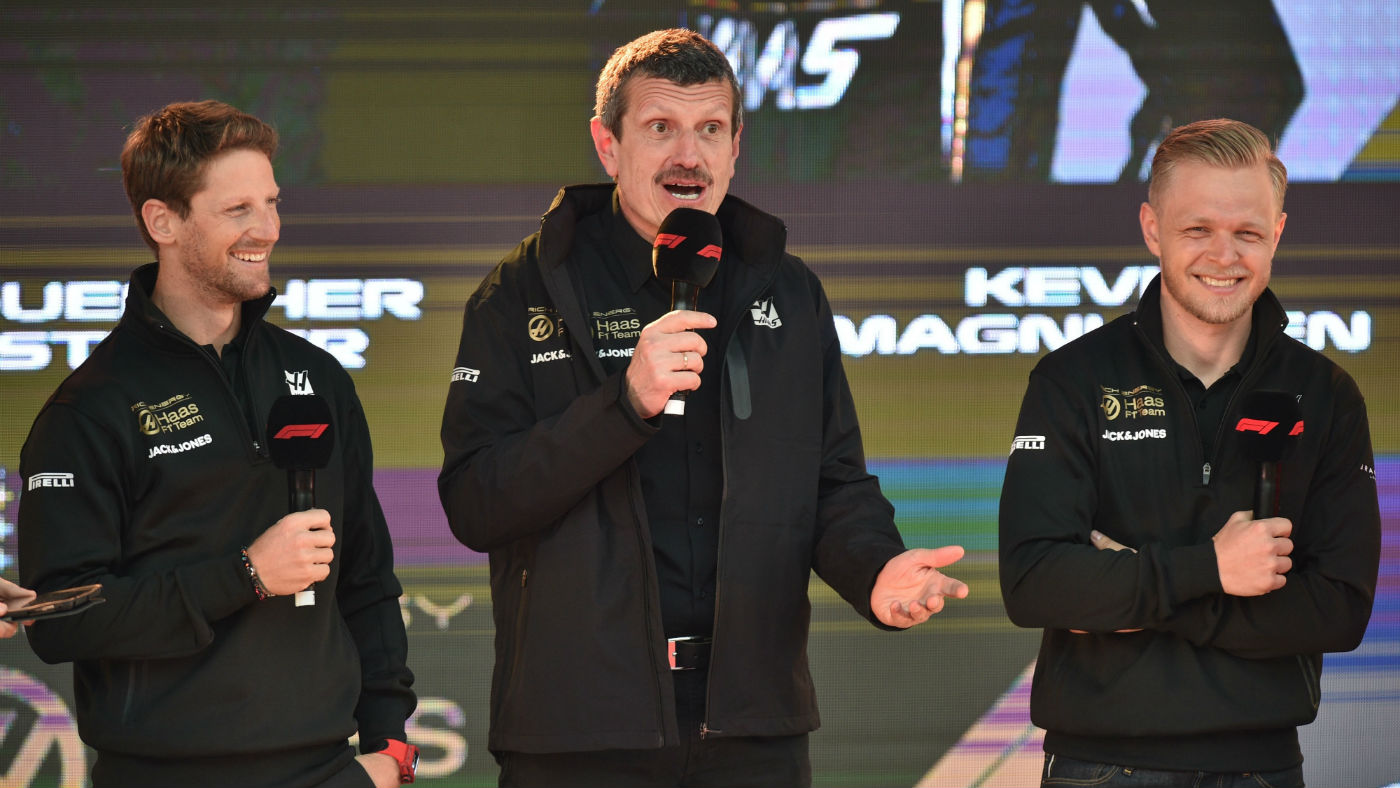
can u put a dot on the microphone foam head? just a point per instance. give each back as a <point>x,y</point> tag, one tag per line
<point>300,435</point>
<point>688,247</point>
<point>1269,424</point>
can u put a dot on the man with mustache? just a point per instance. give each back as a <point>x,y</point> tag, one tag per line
<point>1184,631</point>
<point>649,572</point>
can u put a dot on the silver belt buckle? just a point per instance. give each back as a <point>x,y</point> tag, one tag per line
<point>671,649</point>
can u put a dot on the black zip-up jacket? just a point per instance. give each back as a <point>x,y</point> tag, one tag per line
<point>539,473</point>
<point>1107,440</point>
<point>156,480</point>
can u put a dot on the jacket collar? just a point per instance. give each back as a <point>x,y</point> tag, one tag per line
<point>757,237</point>
<point>142,312</point>
<point>1268,319</point>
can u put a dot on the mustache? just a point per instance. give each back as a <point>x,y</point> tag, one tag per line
<point>689,174</point>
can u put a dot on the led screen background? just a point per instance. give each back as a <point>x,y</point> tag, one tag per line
<point>421,142</point>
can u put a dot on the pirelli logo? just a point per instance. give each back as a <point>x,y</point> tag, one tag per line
<point>50,480</point>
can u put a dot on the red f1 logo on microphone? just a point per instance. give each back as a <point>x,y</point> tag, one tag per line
<point>1256,425</point>
<point>669,240</point>
<point>710,251</point>
<point>312,431</point>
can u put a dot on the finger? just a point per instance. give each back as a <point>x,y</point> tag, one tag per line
<point>1283,565</point>
<point>685,320</point>
<point>952,587</point>
<point>1104,542</point>
<point>1080,631</point>
<point>933,605</point>
<point>1279,526</point>
<point>1283,547</point>
<point>1278,582</point>
<point>939,557</point>
<point>8,629</point>
<point>320,572</point>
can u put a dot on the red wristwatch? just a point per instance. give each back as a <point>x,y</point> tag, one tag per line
<point>407,756</point>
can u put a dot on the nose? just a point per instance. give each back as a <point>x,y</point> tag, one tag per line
<point>268,228</point>
<point>1222,248</point>
<point>687,151</point>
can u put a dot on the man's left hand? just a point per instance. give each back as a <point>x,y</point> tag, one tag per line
<point>383,770</point>
<point>910,588</point>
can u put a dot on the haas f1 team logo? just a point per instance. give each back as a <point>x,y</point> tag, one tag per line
<point>671,241</point>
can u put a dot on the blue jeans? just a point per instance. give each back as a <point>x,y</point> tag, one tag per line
<point>1062,771</point>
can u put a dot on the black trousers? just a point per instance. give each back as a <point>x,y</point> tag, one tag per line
<point>711,761</point>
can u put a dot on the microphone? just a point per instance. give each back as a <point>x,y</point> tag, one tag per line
<point>300,438</point>
<point>686,253</point>
<point>1270,423</point>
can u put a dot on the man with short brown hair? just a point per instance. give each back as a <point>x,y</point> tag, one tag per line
<point>199,669</point>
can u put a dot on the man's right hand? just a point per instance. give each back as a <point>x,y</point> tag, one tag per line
<point>668,358</point>
<point>295,552</point>
<point>1252,555</point>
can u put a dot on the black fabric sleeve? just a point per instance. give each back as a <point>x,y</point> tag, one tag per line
<point>856,535</point>
<point>72,536</point>
<point>510,471</point>
<point>1051,575</point>
<point>368,594</point>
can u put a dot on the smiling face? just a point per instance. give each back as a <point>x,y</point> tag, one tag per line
<point>1215,230</point>
<point>675,148</point>
<point>223,245</point>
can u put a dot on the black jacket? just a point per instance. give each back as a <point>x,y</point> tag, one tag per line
<point>163,481</point>
<point>539,473</point>
<point>1213,682</point>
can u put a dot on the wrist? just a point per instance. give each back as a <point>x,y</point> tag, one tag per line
<point>405,755</point>
<point>258,587</point>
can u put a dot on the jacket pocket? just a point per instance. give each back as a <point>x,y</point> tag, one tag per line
<point>1310,676</point>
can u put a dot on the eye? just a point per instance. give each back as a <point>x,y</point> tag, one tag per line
<point>657,127</point>
<point>712,128</point>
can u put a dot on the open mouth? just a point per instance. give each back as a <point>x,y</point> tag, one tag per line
<point>250,257</point>
<point>685,191</point>
<point>1211,281</point>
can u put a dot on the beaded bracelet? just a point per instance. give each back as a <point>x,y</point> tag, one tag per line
<point>258,587</point>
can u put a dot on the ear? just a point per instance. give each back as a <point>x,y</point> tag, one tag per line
<point>605,144</point>
<point>1278,230</point>
<point>1150,229</point>
<point>737,132</point>
<point>161,221</point>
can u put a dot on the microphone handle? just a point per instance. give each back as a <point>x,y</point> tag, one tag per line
<point>301,489</point>
<point>1266,491</point>
<point>682,297</point>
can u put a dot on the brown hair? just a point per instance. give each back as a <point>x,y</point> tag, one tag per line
<point>1219,142</point>
<point>678,55</point>
<point>166,153</point>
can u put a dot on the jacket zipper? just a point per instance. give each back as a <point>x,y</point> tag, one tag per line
<point>1265,342</point>
<point>232,396</point>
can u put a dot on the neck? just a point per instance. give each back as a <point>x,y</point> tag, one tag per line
<point>202,321</point>
<point>1207,350</point>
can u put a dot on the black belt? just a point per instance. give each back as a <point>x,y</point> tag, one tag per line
<point>688,653</point>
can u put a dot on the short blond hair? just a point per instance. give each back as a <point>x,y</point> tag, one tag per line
<point>1219,142</point>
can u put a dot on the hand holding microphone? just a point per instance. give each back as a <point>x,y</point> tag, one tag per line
<point>296,551</point>
<point>669,355</point>
<point>1252,549</point>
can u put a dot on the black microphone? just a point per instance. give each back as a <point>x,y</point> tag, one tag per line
<point>300,438</point>
<point>1270,423</point>
<point>687,250</point>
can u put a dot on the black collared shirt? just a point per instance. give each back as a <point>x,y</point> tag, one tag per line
<point>1209,403</point>
<point>681,468</point>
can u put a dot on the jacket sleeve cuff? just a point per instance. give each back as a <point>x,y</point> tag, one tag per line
<point>644,427</point>
<point>217,588</point>
<point>1194,573</point>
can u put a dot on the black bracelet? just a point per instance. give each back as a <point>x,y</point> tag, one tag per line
<point>258,587</point>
